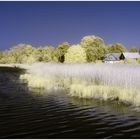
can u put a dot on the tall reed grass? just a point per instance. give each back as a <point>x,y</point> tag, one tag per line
<point>102,81</point>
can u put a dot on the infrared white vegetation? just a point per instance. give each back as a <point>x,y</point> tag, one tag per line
<point>75,54</point>
<point>102,81</point>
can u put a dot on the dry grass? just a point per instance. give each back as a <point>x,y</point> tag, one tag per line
<point>102,81</point>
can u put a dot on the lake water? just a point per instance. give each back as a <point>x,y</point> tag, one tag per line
<point>26,113</point>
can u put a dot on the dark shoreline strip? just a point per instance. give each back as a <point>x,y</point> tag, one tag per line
<point>12,69</point>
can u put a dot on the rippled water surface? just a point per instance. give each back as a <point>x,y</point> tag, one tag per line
<point>36,113</point>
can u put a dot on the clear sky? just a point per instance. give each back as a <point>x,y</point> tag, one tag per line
<point>51,23</point>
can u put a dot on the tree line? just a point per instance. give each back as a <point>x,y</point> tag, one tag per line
<point>90,49</point>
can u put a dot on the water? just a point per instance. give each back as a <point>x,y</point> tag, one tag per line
<point>26,113</point>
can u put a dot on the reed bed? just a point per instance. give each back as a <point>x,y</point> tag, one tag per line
<point>102,81</point>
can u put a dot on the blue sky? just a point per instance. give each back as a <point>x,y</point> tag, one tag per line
<point>51,23</point>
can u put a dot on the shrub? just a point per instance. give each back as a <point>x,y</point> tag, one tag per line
<point>130,60</point>
<point>138,60</point>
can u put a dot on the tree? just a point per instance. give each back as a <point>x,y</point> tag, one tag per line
<point>75,54</point>
<point>22,53</point>
<point>133,49</point>
<point>7,58</point>
<point>2,57</point>
<point>44,54</point>
<point>56,54</point>
<point>95,53</point>
<point>94,46</point>
<point>62,48</point>
<point>1,54</point>
<point>116,48</point>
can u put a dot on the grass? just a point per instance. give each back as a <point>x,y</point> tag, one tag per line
<point>103,81</point>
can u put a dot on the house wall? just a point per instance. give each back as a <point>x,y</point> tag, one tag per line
<point>112,62</point>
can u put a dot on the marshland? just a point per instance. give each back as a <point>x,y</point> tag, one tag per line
<point>101,81</point>
<point>70,91</point>
<point>70,101</point>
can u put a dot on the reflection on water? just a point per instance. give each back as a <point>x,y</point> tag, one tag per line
<point>26,113</point>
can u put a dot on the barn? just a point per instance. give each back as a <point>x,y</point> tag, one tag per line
<point>129,55</point>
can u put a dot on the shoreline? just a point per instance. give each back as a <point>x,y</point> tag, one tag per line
<point>20,66</point>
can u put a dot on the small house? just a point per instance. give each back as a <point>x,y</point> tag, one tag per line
<point>112,58</point>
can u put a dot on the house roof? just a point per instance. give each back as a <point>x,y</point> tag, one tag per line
<point>112,57</point>
<point>131,55</point>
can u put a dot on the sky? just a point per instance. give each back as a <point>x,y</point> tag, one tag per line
<point>52,23</point>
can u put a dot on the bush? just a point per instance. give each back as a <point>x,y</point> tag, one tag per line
<point>130,60</point>
<point>138,60</point>
<point>99,61</point>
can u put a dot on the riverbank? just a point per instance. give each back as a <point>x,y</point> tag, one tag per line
<point>22,66</point>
